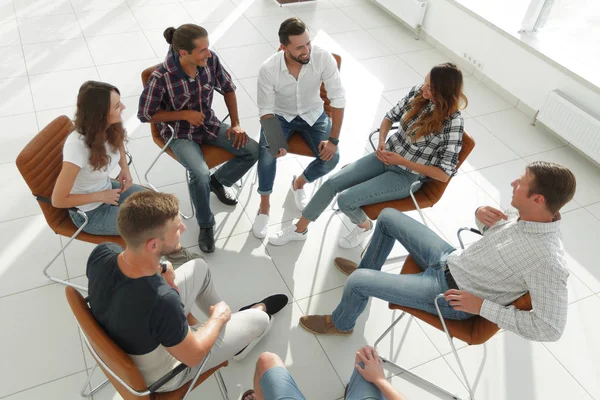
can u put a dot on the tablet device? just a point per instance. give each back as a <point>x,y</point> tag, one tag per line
<point>273,135</point>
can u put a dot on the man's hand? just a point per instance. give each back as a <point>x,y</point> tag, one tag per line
<point>326,150</point>
<point>195,118</point>
<point>240,139</point>
<point>169,276</point>
<point>220,312</point>
<point>489,215</point>
<point>125,179</point>
<point>463,301</point>
<point>373,370</point>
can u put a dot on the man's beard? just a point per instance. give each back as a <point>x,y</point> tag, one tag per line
<point>301,61</point>
<point>167,250</point>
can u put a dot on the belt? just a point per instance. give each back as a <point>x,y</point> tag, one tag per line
<point>450,279</point>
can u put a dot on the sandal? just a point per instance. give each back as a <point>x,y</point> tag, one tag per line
<point>273,303</point>
<point>248,393</point>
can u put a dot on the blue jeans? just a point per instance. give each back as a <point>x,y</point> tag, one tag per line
<point>365,181</point>
<point>313,135</point>
<point>103,220</point>
<point>411,290</point>
<point>190,156</point>
<point>277,384</point>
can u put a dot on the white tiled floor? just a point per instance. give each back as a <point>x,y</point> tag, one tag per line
<point>48,48</point>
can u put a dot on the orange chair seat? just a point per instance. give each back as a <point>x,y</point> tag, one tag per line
<point>476,330</point>
<point>67,228</point>
<point>213,155</point>
<point>406,204</point>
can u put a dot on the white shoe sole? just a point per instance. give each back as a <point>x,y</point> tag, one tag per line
<point>292,239</point>
<point>240,356</point>
<point>345,245</point>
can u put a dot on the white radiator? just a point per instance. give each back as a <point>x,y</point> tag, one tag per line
<point>573,122</point>
<point>411,12</point>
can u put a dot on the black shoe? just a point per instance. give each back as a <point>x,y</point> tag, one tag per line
<point>206,240</point>
<point>273,303</point>
<point>224,197</point>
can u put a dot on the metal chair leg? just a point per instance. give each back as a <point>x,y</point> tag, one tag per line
<point>84,392</point>
<point>222,385</point>
<point>62,250</point>
<point>406,372</point>
<point>460,365</point>
<point>164,149</point>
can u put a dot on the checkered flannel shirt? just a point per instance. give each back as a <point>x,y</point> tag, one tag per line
<point>513,257</point>
<point>439,149</point>
<point>170,88</point>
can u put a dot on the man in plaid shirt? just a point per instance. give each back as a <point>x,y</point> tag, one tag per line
<point>517,254</point>
<point>179,95</point>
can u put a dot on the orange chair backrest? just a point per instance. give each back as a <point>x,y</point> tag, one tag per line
<point>435,189</point>
<point>40,163</point>
<point>105,347</point>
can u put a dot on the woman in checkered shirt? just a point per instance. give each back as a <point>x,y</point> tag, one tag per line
<point>426,144</point>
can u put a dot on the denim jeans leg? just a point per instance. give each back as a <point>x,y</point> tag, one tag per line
<point>101,220</point>
<point>360,171</point>
<point>390,185</point>
<point>359,389</point>
<point>423,244</point>
<point>411,290</point>
<point>245,157</point>
<point>267,164</point>
<point>314,135</point>
<point>190,156</point>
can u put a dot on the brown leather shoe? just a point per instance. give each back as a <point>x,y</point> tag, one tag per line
<point>346,266</point>
<point>321,325</point>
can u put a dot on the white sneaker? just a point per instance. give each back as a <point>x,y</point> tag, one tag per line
<point>300,197</point>
<point>287,235</point>
<point>260,226</point>
<point>242,354</point>
<point>355,237</point>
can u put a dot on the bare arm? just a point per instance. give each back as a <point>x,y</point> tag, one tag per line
<point>196,345</point>
<point>61,195</point>
<point>337,116</point>
<point>231,103</point>
<point>388,390</point>
<point>384,129</point>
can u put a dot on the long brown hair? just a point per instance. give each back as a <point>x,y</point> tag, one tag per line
<point>91,120</point>
<point>446,82</point>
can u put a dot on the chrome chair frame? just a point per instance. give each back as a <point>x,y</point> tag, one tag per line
<point>468,386</point>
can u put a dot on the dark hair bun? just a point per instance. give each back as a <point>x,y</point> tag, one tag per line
<point>168,34</point>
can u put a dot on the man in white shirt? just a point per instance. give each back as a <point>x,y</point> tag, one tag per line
<point>289,89</point>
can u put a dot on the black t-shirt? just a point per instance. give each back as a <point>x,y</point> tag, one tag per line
<point>138,314</point>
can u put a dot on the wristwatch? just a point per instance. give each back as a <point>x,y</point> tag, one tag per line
<point>334,140</point>
<point>163,265</point>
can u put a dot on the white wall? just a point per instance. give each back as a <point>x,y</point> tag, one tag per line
<point>522,73</point>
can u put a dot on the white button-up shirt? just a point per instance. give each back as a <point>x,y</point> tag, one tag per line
<point>281,94</point>
<point>513,257</point>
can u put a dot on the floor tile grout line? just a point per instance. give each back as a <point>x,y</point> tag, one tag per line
<point>25,62</point>
<point>41,384</point>
<point>567,370</point>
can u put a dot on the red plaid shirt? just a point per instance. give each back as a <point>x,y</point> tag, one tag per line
<point>170,88</point>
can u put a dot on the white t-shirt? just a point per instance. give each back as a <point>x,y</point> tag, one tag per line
<point>88,180</point>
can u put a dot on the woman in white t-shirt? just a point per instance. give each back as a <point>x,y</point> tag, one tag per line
<point>90,153</point>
